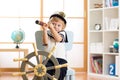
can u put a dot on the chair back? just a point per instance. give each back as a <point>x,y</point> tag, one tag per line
<point>68,46</point>
<point>39,40</point>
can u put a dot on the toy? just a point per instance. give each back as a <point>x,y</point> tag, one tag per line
<point>18,36</point>
<point>98,5</point>
<point>39,70</point>
<point>116,45</point>
<point>112,69</point>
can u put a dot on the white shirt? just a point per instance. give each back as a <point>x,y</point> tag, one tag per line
<point>60,47</point>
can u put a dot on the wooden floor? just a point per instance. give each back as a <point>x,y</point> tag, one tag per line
<point>79,76</point>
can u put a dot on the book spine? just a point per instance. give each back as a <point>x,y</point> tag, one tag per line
<point>92,65</point>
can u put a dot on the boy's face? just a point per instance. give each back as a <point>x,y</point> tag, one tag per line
<point>58,25</point>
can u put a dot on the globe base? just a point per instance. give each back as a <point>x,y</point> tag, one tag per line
<point>17,46</point>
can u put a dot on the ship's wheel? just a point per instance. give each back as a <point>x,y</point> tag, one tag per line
<point>39,69</point>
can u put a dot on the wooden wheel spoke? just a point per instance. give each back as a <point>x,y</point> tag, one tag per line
<point>37,58</point>
<point>56,66</point>
<point>31,64</point>
<point>61,65</point>
<point>28,72</point>
<point>41,78</point>
<point>45,77</point>
<point>50,68</point>
<point>45,61</point>
<point>51,77</point>
<point>34,78</point>
<point>38,78</point>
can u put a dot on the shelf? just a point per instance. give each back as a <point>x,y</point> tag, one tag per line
<point>111,30</point>
<point>100,42</point>
<point>114,54</point>
<point>96,9</point>
<point>95,31</point>
<point>111,7</point>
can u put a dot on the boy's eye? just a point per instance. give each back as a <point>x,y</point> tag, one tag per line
<point>59,25</point>
<point>53,23</point>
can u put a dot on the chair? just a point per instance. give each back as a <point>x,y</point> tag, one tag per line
<point>68,46</point>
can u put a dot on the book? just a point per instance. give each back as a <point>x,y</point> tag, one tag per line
<point>92,65</point>
<point>115,3</point>
<point>107,3</point>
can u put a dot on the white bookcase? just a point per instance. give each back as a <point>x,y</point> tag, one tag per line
<point>102,58</point>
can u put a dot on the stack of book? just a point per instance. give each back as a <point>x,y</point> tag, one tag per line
<point>96,64</point>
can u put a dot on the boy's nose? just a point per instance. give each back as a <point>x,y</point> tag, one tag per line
<point>55,26</point>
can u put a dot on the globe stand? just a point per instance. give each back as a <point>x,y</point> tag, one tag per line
<point>17,46</point>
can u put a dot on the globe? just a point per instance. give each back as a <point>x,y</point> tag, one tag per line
<point>18,36</point>
<point>116,44</point>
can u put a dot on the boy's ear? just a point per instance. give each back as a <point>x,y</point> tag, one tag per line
<point>63,27</point>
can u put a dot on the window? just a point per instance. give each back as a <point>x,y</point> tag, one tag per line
<point>22,14</point>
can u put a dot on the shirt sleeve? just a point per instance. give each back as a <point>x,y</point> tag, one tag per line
<point>63,35</point>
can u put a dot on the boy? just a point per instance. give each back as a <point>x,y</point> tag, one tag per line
<point>57,37</point>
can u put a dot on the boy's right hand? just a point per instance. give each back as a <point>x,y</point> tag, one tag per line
<point>44,26</point>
